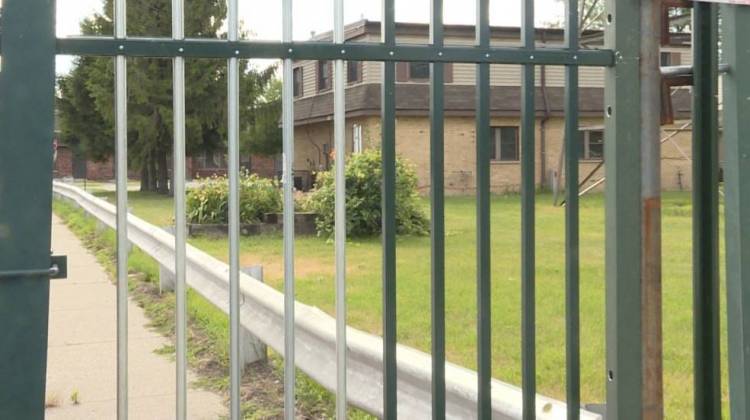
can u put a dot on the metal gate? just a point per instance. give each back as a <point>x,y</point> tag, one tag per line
<point>27,89</point>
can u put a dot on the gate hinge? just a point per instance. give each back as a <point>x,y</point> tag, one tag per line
<point>58,270</point>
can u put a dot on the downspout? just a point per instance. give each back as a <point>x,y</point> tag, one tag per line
<point>543,123</point>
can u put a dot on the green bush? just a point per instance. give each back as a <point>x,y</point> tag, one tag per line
<point>208,202</point>
<point>363,192</point>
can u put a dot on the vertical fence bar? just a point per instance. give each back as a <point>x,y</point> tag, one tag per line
<point>706,334</point>
<point>339,121</point>
<point>388,122</point>
<point>288,181</point>
<point>484,300</point>
<point>233,131</point>
<point>437,177</point>
<point>27,93</point>
<point>622,152</point>
<point>651,307</point>
<point>572,311</point>
<point>178,189</point>
<point>121,151</point>
<point>735,33</point>
<point>528,189</point>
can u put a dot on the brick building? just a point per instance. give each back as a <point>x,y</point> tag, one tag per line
<point>69,164</point>
<point>313,81</point>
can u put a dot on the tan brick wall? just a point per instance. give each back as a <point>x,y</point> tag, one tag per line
<point>676,170</point>
<point>412,143</point>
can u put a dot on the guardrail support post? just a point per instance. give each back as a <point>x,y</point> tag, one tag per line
<point>166,279</point>
<point>251,348</point>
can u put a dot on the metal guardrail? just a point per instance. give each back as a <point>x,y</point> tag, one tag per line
<point>263,316</point>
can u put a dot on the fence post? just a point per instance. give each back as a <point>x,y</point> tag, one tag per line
<point>706,327</point>
<point>27,92</point>
<point>736,32</point>
<point>622,152</point>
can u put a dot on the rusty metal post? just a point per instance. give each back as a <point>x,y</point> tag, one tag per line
<point>650,74</point>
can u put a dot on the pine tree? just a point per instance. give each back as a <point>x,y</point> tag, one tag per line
<point>86,95</point>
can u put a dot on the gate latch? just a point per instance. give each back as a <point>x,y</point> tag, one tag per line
<point>58,270</point>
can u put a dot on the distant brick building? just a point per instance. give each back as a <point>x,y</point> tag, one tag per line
<point>69,164</point>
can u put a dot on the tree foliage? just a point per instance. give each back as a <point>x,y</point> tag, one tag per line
<point>590,15</point>
<point>86,95</point>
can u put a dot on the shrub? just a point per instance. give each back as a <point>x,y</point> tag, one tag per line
<point>208,202</point>
<point>363,192</point>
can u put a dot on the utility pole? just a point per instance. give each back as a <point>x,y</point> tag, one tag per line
<point>651,307</point>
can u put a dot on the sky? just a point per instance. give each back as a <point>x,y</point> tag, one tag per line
<point>263,17</point>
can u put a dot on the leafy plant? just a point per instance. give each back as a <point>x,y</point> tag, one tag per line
<point>208,203</point>
<point>75,398</point>
<point>363,193</point>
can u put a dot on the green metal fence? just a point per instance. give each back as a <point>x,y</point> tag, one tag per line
<point>27,89</point>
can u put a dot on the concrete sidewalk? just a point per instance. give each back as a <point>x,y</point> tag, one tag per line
<point>82,349</point>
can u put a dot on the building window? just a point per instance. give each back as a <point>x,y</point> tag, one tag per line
<point>298,82</point>
<point>505,144</point>
<point>592,144</point>
<point>211,160</point>
<point>324,75</point>
<point>419,70</point>
<point>356,138</point>
<point>670,59</point>
<point>353,71</point>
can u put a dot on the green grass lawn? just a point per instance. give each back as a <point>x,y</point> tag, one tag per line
<point>315,286</point>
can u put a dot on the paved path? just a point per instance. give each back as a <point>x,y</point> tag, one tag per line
<point>82,349</point>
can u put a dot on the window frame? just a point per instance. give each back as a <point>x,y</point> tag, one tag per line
<point>357,139</point>
<point>411,73</point>
<point>202,159</point>
<point>584,137</point>
<point>357,70</point>
<point>674,58</point>
<point>298,86</point>
<point>496,131</point>
<point>320,65</point>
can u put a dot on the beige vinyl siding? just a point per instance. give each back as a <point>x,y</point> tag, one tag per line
<point>587,76</point>
<point>309,73</point>
<point>372,72</point>
<point>510,75</point>
<point>465,73</point>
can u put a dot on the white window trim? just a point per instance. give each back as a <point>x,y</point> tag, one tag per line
<point>496,130</point>
<point>586,131</point>
<point>357,139</point>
